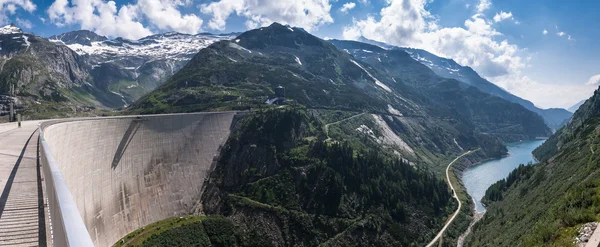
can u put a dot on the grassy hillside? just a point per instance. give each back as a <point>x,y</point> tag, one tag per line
<point>546,205</point>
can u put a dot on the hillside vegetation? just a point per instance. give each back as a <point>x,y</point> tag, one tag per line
<point>546,204</point>
<point>278,178</point>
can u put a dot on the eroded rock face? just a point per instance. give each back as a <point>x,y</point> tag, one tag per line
<point>585,233</point>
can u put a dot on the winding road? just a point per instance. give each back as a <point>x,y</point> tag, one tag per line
<point>439,235</point>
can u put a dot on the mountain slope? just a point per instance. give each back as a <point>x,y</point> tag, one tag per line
<point>132,68</point>
<point>82,37</point>
<point>48,78</point>
<point>548,207</point>
<point>490,114</point>
<point>448,68</point>
<point>359,105</point>
<point>280,187</point>
<point>241,74</point>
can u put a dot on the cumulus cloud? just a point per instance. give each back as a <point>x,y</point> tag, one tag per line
<point>545,32</point>
<point>594,80</point>
<point>9,7</point>
<point>503,16</point>
<point>127,21</point>
<point>476,44</point>
<point>347,6</point>
<point>308,14</point>
<point>165,15</point>
<point>546,95</point>
<point>483,5</point>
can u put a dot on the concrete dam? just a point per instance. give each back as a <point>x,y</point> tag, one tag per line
<point>126,172</point>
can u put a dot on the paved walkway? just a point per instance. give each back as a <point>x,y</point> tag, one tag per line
<point>594,239</point>
<point>21,203</point>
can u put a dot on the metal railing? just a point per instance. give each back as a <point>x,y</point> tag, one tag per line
<point>66,225</point>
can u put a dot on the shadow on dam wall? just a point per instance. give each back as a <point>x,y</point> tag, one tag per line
<point>125,173</point>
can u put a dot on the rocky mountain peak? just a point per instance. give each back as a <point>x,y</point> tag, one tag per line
<point>82,37</point>
<point>10,29</point>
<point>278,35</point>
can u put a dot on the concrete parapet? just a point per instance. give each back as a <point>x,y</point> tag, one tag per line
<point>126,172</point>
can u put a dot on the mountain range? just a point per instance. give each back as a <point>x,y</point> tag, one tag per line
<point>448,68</point>
<point>357,122</point>
<point>132,68</point>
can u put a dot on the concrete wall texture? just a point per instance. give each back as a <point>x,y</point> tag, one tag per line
<point>125,173</point>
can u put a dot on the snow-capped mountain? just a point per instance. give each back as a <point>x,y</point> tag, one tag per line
<point>132,68</point>
<point>10,29</point>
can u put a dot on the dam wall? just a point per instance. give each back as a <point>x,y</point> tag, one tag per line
<point>126,172</point>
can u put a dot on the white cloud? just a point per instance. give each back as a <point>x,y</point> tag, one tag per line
<point>546,95</point>
<point>483,5</point>
<point>22,23</point>
<point>594,80</point>
<point>545,32</point>
<point>347,6</point>
<point>562,34</point>
<point>308,14</point>
<point>477,44</point>
<point>105,18</point>
<point>165,15</point>
<point>503,16</point>
<point>9,7</point>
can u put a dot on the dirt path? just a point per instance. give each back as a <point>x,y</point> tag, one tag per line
<point>342,120</point>
<point>439,235</point>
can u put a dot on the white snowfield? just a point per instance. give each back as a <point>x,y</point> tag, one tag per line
<point>172,45</point>
<point>10,29</point>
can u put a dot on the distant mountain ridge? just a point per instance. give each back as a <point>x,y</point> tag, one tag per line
<point>83,37</point>
<point>448,68</point>
<point>574,108</point>
<point>132,68</point>
<point>491,114</point>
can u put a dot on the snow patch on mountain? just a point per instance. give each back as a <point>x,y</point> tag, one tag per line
<point>174,46</point>
<point>379,83</point>
<point>393,110</point>
<point>10,29</point>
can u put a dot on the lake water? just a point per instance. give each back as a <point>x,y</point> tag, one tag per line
<point>479,177</point>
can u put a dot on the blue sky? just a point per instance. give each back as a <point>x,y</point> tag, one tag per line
<point>544,51</point>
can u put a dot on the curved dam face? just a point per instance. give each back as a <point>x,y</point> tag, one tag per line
<point>125,173</point>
